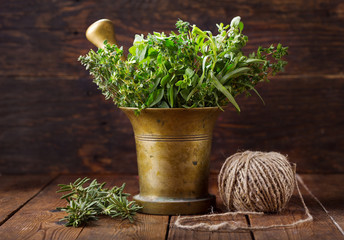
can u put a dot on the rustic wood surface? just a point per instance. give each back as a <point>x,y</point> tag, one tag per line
<point>38,219</point>
<point>329,192</point>
<point>321,227</point>
<point>17,190</point>
<point>53,118</point>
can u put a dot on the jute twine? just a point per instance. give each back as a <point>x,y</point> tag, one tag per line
<point>251,183</point>
<point>256,182</point>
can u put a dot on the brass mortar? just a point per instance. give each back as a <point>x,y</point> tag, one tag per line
<point>173,151</point>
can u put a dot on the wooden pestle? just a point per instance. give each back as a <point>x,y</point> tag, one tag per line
<point>100,31</point>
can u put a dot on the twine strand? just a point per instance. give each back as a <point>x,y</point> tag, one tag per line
<point>231,226</point>
<point>252,183</point>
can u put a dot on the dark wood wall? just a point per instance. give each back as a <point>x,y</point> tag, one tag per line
<point>53,118</point>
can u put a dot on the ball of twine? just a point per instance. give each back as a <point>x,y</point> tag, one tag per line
<point>256,182</point>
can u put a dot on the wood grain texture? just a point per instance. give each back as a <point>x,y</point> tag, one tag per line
<point>76,130</point>
<point>178,233</point>
<point>38,219</point>
<point>321,228</point>
<point>148,227</point>
<point>15,192</point>
<point>329,190</point>
<point>302,118</point>
<point>53,31</point>
<point>72,130</point>
<point>53,119</point>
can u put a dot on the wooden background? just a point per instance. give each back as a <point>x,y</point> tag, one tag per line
<point>53,118</point>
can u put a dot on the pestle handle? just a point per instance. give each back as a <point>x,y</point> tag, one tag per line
<point>100,31</point>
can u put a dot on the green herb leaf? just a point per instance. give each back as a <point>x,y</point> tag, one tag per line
<point>155,97</point>
<point>191,68</point>
<point>235,73</point>
<point>222,89</point>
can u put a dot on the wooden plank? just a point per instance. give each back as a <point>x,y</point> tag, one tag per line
<point>49,33</point>
<point>70,123</point>
<point>145,227</point>
<point>301,118</point>
<point>148,227</point>
<point>38,219</point>
<point>16,190</point>
<point>48,102</point>
<point>71,130</point>
<point>178,233</point>
<point>329,190</point>
<point>321,228</point>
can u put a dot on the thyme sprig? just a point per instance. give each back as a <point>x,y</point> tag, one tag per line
<point>86,203</point>
<point>191,68</point>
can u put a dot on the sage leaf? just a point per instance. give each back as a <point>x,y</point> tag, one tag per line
<point>222,89</point>
<point>188,68</point>
<point>235,73</point>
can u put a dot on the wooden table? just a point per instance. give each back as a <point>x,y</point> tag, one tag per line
<point>28,211</point>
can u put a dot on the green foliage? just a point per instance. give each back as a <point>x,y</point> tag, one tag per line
<point>192,68</point>
<point>86,203</point>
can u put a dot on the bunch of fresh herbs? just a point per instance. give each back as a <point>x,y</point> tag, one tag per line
<point>86,203</point>
<point>188,69</point>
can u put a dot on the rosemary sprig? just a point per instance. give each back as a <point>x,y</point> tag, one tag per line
<point>86,203</point>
